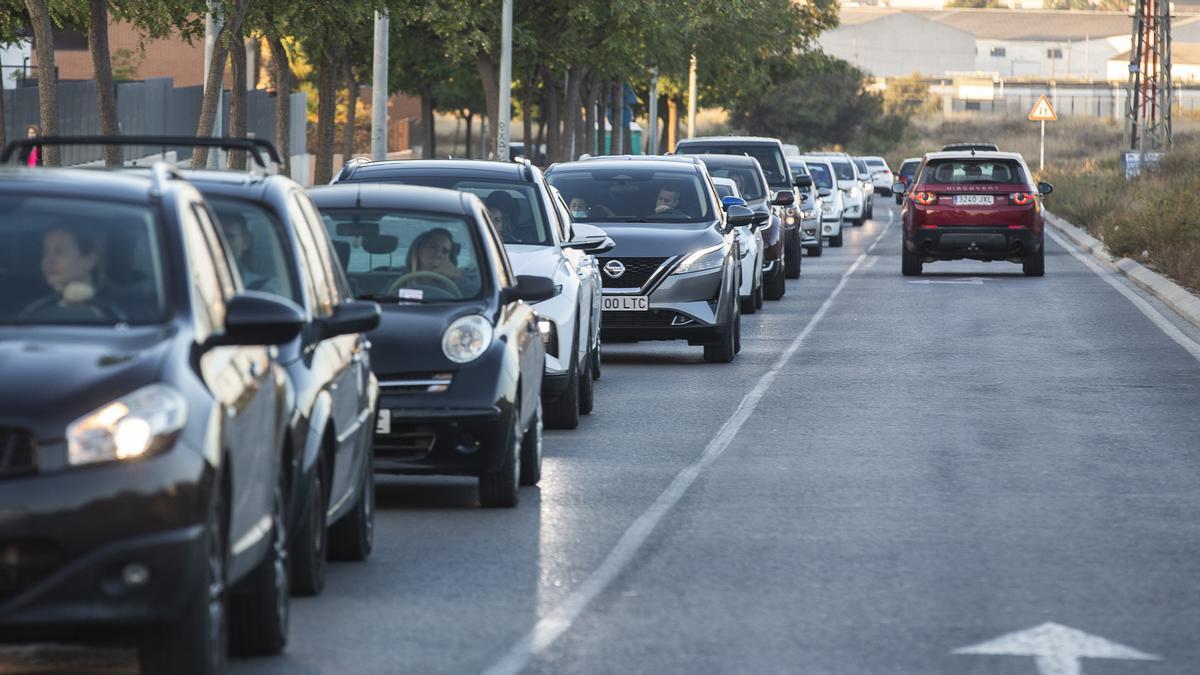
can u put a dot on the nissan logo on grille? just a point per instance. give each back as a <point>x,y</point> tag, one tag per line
<point>614,268</point>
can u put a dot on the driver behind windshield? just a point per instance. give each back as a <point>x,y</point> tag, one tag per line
<point>434,251</point>
<point>667,202</point>
<point>71,267</point>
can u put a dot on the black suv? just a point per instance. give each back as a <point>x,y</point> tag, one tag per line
<point>143,478</point>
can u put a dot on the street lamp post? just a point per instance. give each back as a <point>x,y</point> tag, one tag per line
<point>379,89</point>
<point>504,113</point>
<point>651,140</point>
<point>691,129</point>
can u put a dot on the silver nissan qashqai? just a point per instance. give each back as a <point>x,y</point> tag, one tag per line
<point>674,273</point>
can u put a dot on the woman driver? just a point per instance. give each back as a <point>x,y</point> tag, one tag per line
<point>71,268</point>
<point>435,251</point>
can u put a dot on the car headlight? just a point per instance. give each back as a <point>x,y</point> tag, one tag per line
<point>133,426</point>
<point>549,333</point>
<point>467,338</point>
<point>853,193</point>
<point>704,259</point>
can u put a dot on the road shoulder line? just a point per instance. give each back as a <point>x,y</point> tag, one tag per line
<point>559,620</point>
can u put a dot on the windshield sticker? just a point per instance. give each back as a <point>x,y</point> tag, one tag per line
<point>411,294</point>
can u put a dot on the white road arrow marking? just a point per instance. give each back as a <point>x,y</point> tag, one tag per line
<point>969,281</point>
<point>1057,648</point>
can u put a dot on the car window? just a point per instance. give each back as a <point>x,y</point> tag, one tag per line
<point>769,157</point>
<point>862,167</point>
<point>204,264</point>
<point>843,169</point>
<point>877,163</point>
<point>725,189</point>
<point>748,181</point>
<point>65,260</point>
<point>516,206</point>
<point>564,214</point>
<point>322,296</point>
<point>255,239</point>
<point>632,194</point>
<point>497,254</point>
<point>328,273</point>
<point>958,171</point>
<point>393,254</point>
<point>909,168</point>
<point>822,176</point>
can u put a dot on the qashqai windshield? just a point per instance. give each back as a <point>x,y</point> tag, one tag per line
<point>406,256</point>
<point>79,262</point>
<point>634,195</point>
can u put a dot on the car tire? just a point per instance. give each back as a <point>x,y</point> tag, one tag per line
<point>596,360</point>
<point>499,489</point>
<point>816,251</point>
<point>898,199</point>
<point>309,546</point>
<point>197,641</point>
<point>1035,265</point>
<point>836,242</point>
<point>532,450</point>
<point>737,334</point>
<point>758,295</point>
<point>793,252</point>
<point>910,263</point>
<point>258,617</point>
<point>563,411</point>
<point>726,348</point>
<point>747,303</point>
<point>775,285</point>
<point>353,537</point>
<point>587,388</point>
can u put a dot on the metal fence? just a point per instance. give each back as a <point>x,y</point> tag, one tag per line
<point>1069,100</point>
<point>148,107</point>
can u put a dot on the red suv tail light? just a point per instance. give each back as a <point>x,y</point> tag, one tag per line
<point>925,198</point>
<point>1022,198</point>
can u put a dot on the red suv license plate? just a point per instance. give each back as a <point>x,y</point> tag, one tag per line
<point>974,200</point>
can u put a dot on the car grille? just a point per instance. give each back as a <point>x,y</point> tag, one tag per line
<point>406,442</point>
<point>24,563</point>
<point>415,383</point>
<point>18,452</point>
<point>637,272</point>
<point>654,318</point>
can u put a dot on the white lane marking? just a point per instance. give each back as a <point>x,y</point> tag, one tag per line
<point>1057,648</point>
<point>969,281</point>
<point>558,620</point>
<point>1146,308</point>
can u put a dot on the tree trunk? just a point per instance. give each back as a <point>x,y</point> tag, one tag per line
<point>282,72</point>
<point>214,83</point>
<point>618,125</point>
<point>39,16</point>
<point>664,116</point>
<point>3,121</point>
<point>106,94</point>
<point>326,113</point>
<point>489,76</point>
<point>550,104</point>
<point>574,116</point>
<point>470,121</point>
<point>589,116</point>
<point>626,124</point>
<point>428,125</point>
<point>541,133</point>
<point>237,106</point>
<point>672,124</point>
<point>527,89</point>
<point>351,108</point>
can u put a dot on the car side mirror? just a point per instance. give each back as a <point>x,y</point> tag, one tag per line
<point>528,288</point>
<point>898,188</point>
<point>739,216</point>
<point>589,239</point>
<point>731,200</point>
<point>761,219</point>
<point>357,316</point>
<point>824,192</point>
<point>803,182</point>
<point>257,318</point>
<point>1045,189</point>
<point>783,198</point>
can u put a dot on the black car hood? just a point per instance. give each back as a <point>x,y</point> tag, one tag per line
<point>650,240</point>
<point>408,339</point>
<point>52,376</point>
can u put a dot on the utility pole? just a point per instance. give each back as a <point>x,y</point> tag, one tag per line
<point>212,26</point>
<point>379,89</point>
<point>1148,117</point>
<point>651,140</point>
<point>503,115</point>
<point>691,124</point>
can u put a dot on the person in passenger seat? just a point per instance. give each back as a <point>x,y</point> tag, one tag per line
<point>241,245</point>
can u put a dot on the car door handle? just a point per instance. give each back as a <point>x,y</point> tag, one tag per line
<point>357,357</point>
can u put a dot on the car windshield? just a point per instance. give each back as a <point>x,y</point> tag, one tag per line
<point>255,239</point>
<point>822,177</point>
<point>843,169</point>
<point>406,256</point>
<point>515,206</point>
<point>73,261</point>
<point>634,195</point>
<point>748,180</point>
<point>769,157</point>
<point>909,168</point>
<point>956,171</point>
<point>726,189</point>
<point>862,167</point>
<point>877,164</point>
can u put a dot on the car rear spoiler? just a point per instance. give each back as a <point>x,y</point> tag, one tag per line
<point>262,150</point>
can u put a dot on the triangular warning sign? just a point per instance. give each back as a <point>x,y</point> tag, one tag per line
<point>1042,111</point>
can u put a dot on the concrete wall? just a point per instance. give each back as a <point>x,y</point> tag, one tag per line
<point>1085,59</point>
<point>897,45</point>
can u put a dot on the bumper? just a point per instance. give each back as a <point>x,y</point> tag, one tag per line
<point>682,307</point>
<point>810,231</point>
<point>973,243</point>
<point>455,442</point>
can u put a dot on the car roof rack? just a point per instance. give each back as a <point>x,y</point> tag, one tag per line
<point>160,173</point>
<point>524,161</point>
<point>262,150</point>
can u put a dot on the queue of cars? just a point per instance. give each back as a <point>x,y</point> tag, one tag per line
<point>209,368</point>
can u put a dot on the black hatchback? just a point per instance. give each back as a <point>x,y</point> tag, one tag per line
<point>142,423</point>
<point>458,354</point>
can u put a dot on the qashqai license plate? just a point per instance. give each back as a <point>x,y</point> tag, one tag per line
<point>974,200</point>
<point>383,423</point>
<point>626,303</point>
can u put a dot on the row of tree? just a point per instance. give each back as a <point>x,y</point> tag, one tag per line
<point>572,58</point>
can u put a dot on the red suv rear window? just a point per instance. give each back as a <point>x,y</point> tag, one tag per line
<point>973,171</point>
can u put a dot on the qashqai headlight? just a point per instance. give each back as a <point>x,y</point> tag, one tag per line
<point>133,426</point>
<point>705,259</point>
<point>467,338</point>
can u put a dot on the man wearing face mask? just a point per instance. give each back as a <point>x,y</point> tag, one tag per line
<point>580,210</point>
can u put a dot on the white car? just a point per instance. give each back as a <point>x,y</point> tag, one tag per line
<point>833,203</point>
<point>855,202</point>
<point>881,174</point>
<point>750,251</point>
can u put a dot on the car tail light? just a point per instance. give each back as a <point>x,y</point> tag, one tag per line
<point>1022,198</point>
<point>924,198</point>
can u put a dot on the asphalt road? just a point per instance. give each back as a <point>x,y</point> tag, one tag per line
<point>892,470</point>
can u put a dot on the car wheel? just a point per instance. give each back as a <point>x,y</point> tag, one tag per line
<point>563,412</point>
<point>587,389</point>
<point>196,642</point>
<point>747,303</point>
<point>910,263</point>
<point>726,348</point>
<point>353,537</point>
<point>499,489</point>
<point>531,450</point>
<point>775,285</point>
<point>898,200</point>
<point>792,258</point>
<point>836,242</point>
<point>758,295</point>
<point>737,334</point>
<point>259,609</point>
<point>1035,265</point>
<point>308,548</point>
<point>816,251</point>
<point>596,359</point>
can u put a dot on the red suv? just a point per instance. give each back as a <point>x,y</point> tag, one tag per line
<point>975,206</point>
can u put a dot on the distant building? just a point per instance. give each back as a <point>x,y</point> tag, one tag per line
<point>1185,64</point>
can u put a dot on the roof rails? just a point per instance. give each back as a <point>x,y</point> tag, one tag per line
<point>524,161</point>
<point>260,149</point>
<point>160,173</point>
